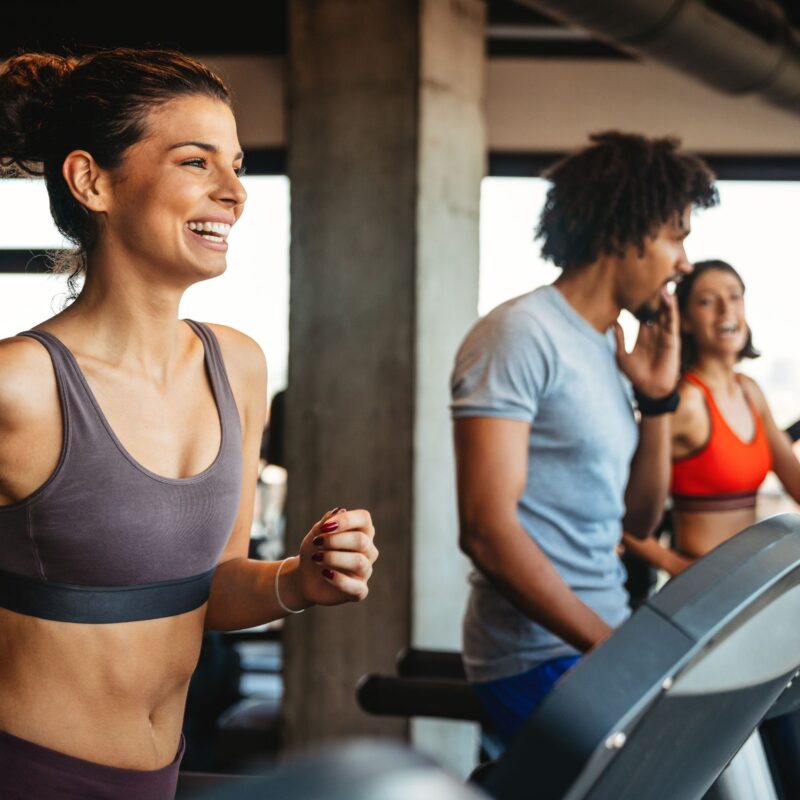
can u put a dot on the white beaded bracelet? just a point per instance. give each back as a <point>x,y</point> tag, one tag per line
<point>277,593</point>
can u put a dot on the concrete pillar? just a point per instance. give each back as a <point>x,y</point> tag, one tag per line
<point>386,153</point>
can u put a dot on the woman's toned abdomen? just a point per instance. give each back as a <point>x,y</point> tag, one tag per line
<point>698,532</point>
<point>109,693</point>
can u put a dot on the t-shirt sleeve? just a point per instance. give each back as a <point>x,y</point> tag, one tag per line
<point>503,368</point>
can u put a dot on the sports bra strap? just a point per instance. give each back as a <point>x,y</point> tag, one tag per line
<point>693,379</point>
<point>713,408</point>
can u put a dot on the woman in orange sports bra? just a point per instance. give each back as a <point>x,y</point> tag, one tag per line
<point>724,439</point>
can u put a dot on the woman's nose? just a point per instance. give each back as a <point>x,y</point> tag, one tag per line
<point>232,191</point>
<point>238,192</point>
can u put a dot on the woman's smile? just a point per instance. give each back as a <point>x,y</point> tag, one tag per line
<point>212,241</point>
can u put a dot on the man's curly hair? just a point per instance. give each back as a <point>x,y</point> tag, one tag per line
<point>616,192</point>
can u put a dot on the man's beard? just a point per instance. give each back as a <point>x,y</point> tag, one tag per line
<point>647,314</point>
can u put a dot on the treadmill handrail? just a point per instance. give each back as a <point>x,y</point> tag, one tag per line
<point>615,685</point>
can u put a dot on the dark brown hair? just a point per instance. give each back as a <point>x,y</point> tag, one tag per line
<point>615,193</point>
<point>683,293</point>
<point>99,102</point>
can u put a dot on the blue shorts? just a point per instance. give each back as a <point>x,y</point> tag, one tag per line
<point>510,701</point>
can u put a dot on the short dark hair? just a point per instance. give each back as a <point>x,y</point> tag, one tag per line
<point>683,293</point>
<point>616,192</point>
<point>51,105</point>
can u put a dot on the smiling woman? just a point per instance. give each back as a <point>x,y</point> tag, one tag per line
<point>724,438</point>
<point>129,438</point>
<point>160,194</point>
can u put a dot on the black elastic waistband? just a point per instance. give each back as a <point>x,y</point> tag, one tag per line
<point>66,602</point>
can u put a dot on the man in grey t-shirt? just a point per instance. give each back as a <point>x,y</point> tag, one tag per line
<point>551,461</point>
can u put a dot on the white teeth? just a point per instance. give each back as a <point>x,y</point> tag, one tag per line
<point>220,228</point>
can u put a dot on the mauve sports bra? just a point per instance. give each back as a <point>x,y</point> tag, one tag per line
<point>104,539</point>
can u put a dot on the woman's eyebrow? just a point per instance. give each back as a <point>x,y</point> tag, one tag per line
<point>209,148</point>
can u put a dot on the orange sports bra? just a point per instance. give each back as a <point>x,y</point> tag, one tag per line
<point>725,472</point>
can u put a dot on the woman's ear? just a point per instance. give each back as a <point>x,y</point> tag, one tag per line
<point>86,181</point>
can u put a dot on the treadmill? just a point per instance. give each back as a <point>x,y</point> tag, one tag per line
<point>655,713</point>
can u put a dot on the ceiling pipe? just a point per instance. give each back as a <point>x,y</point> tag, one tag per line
<point>737,46</point>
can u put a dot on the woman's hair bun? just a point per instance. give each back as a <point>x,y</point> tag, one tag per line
<point>29,85</point>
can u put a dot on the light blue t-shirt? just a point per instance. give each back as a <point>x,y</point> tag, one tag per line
<point>534,358</point>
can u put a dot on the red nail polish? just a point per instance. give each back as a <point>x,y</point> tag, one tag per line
<point>317,557</point>
<point>317,540</point>
<point>332,525</point>
<point>327,573</point>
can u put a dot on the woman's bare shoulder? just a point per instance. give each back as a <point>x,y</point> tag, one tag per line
<point>27,380</point>
<point>246,366</point>
<point>30,422</point>
<point>692,400</point>
<point>690,417</point>
<point>240,351</point>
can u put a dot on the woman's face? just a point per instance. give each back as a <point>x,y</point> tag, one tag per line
<point>183,174</point>
<point>714,315</point>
